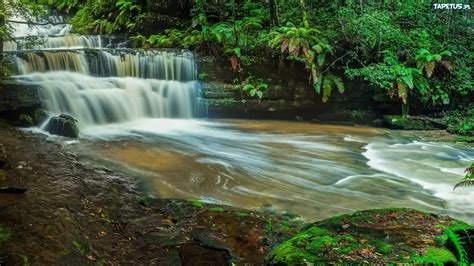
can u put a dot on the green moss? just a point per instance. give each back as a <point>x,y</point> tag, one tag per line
<point>436,256</point>
<point>79,247</point>
<point>197,203</point>
<point>147,200</point>
<point>382,246</point>
<point>217,209</point>
<point>242,214</point>
<point>4,234</point>
<point>26,120</point>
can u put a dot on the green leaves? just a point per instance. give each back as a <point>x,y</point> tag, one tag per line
<point>328,84</point>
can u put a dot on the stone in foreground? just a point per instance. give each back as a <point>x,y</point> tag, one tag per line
<point>379,237</point>
<point>63,125</point>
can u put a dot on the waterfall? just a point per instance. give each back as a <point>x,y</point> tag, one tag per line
<point>99,80</point>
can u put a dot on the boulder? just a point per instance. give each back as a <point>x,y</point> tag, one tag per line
<point>25,121</point>
<point>63,125</point>
<point>384,236</point>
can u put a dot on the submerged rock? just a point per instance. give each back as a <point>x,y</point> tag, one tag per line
<point>63,125</point>
<point>411,123</point>
<point>379,237</point>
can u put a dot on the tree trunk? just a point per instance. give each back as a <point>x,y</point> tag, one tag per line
<point>274,13</point>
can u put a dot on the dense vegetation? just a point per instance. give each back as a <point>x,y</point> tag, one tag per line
<point>408,51</point>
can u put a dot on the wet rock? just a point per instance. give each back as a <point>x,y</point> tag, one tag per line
<point>25,121</point>
<point>195,254</point>
<point>411,123</point>
<point>15,95</point>
<point>382,236</point>
<point>40,116</point>
<point>3,155</point>
<point>12,190</point>
<point>63,125</point>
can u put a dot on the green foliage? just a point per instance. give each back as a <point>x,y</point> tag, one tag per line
<point>468,179</point>
<point>197,203</point>
<point>458,244</point>
<point>251,86</point>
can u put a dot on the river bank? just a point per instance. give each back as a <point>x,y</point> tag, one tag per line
<point>75,212</point>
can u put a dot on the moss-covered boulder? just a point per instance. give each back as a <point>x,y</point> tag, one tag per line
<point>25,120</point>
<point>411,123</point>
<point>379,237</point>
<point>40,116</point>
<point>63,125</point>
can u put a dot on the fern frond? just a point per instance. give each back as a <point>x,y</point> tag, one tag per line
<point>458,244</point>
<point>465,183</point>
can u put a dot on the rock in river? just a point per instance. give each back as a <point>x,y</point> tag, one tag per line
<point>63,125</point>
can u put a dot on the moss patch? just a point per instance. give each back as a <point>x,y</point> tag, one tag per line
<point>217,209</point>
<point>197,203</point>
<point>4,234</point>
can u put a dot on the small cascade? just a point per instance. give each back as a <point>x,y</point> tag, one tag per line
<point>106,63</point>
<point>96,101</point>
<point>98,79</point>
<point>67,42</point>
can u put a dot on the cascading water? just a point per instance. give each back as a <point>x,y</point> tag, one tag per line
<point>98,85</point>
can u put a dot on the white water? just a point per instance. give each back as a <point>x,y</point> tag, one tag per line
<point>315,171</point>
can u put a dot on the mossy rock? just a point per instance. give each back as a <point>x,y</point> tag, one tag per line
<point>4,234</point>
<point>25,121</point>
<point>40,116</point>
<point>63,125</point>
<point>376,236</point>
<point>411,123</point>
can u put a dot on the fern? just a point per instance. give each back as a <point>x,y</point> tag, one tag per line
<point>458,244</point>
<point>468,179</point>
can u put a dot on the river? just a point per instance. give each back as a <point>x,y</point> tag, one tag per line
<point>139,112</point>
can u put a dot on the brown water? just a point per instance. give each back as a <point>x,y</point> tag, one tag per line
<point>312,170</point>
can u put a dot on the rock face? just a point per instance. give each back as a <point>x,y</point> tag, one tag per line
<point>383,236</point>
<point>63,125</point>
<point>14,95</point>
<point>411,123</point>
